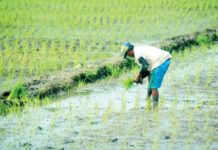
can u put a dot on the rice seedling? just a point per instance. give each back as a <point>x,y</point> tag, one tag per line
<point>107,113</point>
<point>175,126</point>
<point>123,104</point>
<point>128,83</point>
<point>148,105</point>
<point>136,102</point>
<point>204,40</point>
<point>18,92</point>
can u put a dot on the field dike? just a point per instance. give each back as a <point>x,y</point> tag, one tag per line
<point>52,85</point>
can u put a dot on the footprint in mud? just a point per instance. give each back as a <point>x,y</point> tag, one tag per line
<point>49,148</point>
<point>26,145</point>
<point>167,137</point>
<point>75,132</point>
<point>39,128</point>
<point>52,109</point>
<point>115,140</point>
<point>69,141</point>
<point>131,144</point>
<point>94,122</point>
<point>81,118</point>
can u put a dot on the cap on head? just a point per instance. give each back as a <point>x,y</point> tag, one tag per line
<point>127,46</point>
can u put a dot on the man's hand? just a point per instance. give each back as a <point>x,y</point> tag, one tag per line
<point>138,81</point>
<point>141,76</point>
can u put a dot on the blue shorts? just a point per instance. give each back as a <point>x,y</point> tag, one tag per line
<point>157,75</point>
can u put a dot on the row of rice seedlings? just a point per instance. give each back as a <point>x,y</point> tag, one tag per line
<point>156,136</point>
<point>111,15</point>
<point>191,111</point>
<point>211,68</point>
<point>93,18</point>
<point>174,122</point>
<point>40,62</point>
<point>205,129</point>
<point>174,106</point>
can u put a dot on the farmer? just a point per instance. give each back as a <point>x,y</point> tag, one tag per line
<point>154,63</point>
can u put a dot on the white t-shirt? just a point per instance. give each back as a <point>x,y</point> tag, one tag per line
<point>154,56</point>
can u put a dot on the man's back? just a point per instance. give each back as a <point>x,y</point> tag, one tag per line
<point>154,56</point>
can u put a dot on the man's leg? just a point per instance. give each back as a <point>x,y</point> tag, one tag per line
<point>149,92</point>
<point>156,80</point>
<point>155,97</point>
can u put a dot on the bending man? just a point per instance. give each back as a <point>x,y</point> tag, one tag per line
<point>154,63</point>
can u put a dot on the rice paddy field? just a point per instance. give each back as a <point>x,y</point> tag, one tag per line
<point>41,38</point>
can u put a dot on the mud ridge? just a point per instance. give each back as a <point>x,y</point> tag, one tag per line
<point>181,42</point>
<point>63,81</point>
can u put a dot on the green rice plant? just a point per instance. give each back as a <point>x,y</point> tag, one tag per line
<point>204,40</point>
<point>105,117</point>
<point>148,105</point>
<point>145,129</point>
<point>96,108</point>
<point>107,113</point>
<point>209,78</point>
<point>115,72</point>
<point>45,101</point>
<point>136,102</point>
<point>18,92</point>
<point>156,143</point>
<point>128,83</point>
<point>156,118</point>
<point>174,123</point>
<point>123,104</point>
<point>156,121</point>
<point>4,109</point>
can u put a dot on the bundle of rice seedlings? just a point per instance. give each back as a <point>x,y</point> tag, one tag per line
<point>128,83</point>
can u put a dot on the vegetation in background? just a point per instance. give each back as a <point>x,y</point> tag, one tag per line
<point>40,38</point>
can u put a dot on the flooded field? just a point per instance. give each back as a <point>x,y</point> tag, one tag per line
<point>105,115</point>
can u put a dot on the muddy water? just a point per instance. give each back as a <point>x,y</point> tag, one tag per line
<point>106,116</point>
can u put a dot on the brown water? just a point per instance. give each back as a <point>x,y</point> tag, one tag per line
<point>106,116</point>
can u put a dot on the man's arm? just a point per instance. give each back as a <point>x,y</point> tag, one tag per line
<point>144,66</point>
<point>143,70</point>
